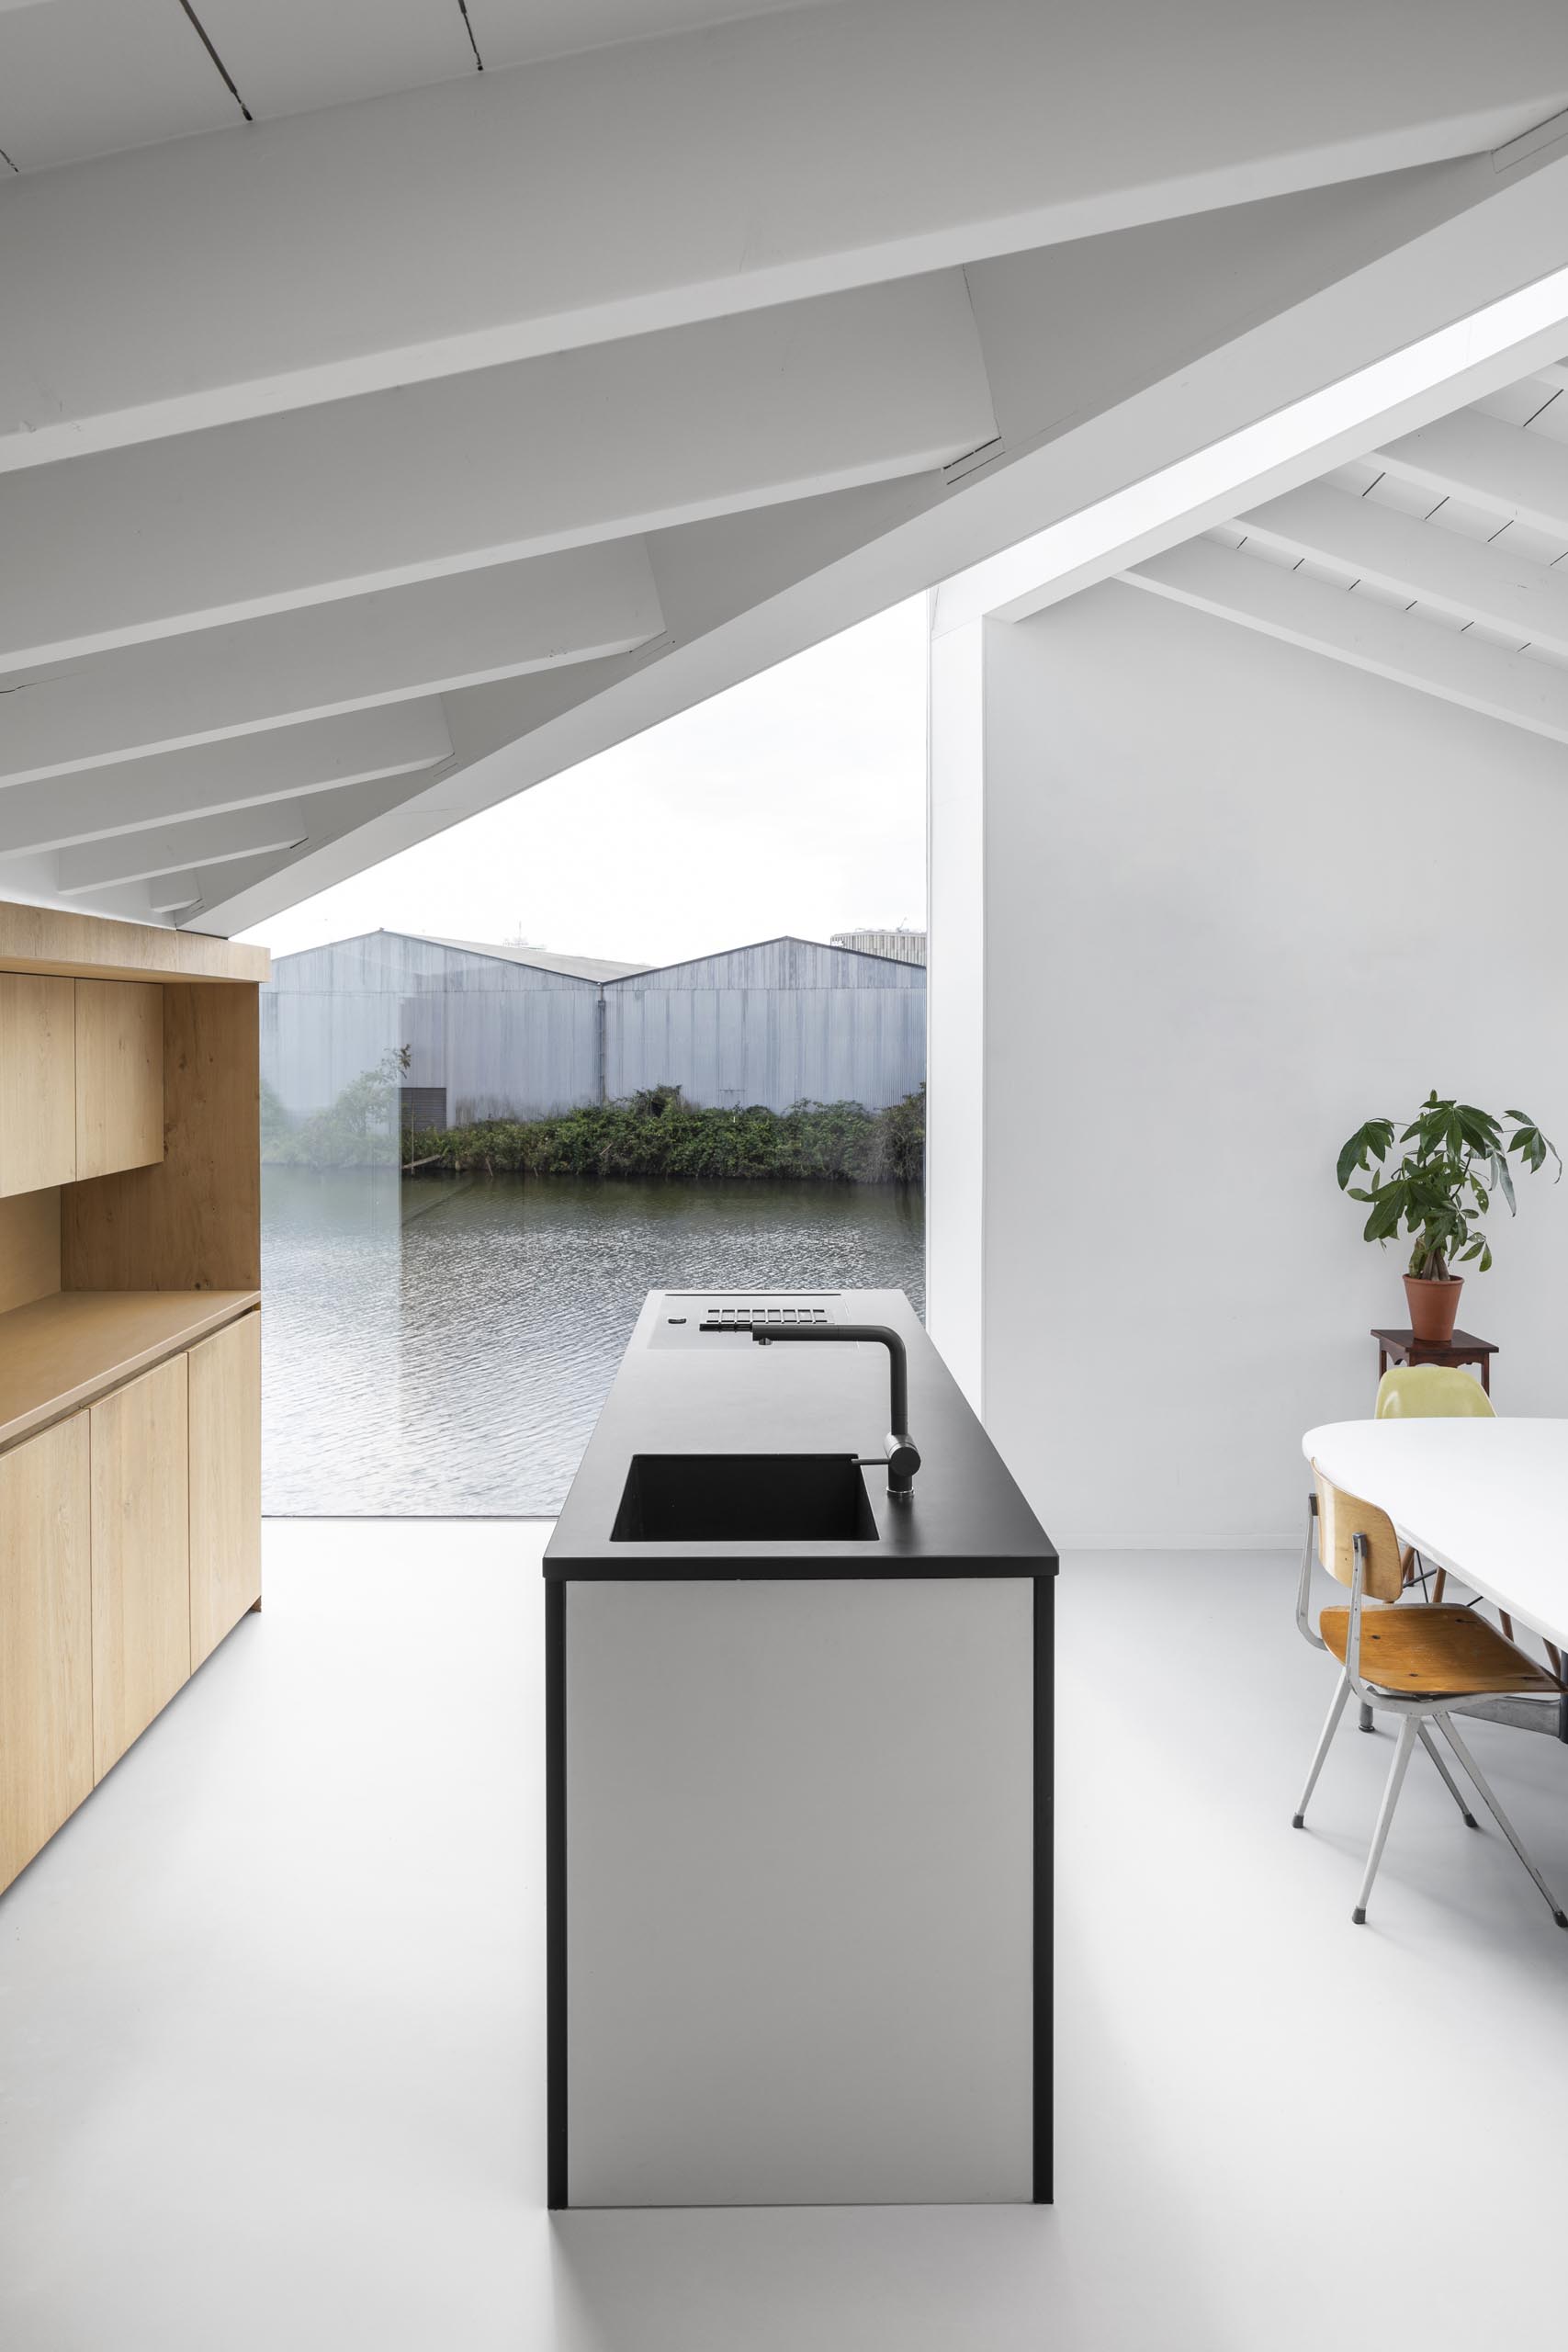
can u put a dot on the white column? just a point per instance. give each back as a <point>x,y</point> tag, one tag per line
<point>956,1057</point>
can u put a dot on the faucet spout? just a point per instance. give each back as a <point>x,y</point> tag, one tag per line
<point>903,1457</point>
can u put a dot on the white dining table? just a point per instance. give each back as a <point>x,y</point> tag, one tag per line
<point>1486,1499</point>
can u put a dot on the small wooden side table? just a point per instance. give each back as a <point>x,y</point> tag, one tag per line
<point>1403,1347</point>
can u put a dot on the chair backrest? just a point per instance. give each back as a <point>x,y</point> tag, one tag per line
<point>1340,1519</point>
<point>1410,1391</point>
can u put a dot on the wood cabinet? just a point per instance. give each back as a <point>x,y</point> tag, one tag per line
<point>129,1533</point>
<point>140,1557</point>
<point>130,1352</point>
<point>29,1248</point>
<point>37,1081</point>
<point>225,1482</point>
<point>46,1639</point>
<point>81,1079</point>
<point>119,1075</point>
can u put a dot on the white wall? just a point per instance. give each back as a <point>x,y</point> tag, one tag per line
<point>1235,899</point>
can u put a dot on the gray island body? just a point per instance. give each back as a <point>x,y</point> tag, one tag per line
<point>798,1785</point>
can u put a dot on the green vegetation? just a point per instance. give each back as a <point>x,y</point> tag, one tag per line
<point>659,1133</point>
<point>1440,1192</point>
<point>359,1131</point>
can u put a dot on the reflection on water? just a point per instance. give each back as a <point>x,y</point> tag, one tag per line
<point>443,1346</point>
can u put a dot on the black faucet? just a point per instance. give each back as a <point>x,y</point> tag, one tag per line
<point>903,1458</point>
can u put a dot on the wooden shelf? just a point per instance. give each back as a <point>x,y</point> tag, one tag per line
<point>62,1351</point>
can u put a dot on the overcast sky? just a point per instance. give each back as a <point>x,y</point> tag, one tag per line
<point>795,802</point>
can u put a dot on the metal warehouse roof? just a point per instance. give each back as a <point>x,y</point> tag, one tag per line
<point>541,959</point>
<point>777,959</point>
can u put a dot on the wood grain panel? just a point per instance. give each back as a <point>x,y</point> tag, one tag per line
<point>66,1351</point>
<point>29,1248</point>
<point>46,1618</point>
<point>47,939</point>
<point>194,1221</point>
<point>141,1473</point>
<point>1426,1646</point>
<point>225,1483</point>
<point>37,1105</point>
<point>119,1075</point>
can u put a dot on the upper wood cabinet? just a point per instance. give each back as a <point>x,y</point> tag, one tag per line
<point>119,1075</point>
<point>46,1640</point>
<point>81,1079</point>
<point>37,1081</point>
<point>140,1470</point>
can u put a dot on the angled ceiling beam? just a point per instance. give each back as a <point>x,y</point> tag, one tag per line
<point>214,846</point>
<point>496,218</point>
<point>1419,561</point>
<point>1076,506</point>
<point>404,739</point>
<point>510,621</point>
<point>488,469</point>
<point>1342,403</point>
<point>1519,477</point>
<point>1359,631</point>
<point>219,882</point>
<point>205,840</point>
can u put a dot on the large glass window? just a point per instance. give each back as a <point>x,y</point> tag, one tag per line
<point>480,1153</point>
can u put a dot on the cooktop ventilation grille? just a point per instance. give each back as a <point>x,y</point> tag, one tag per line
<point>753,1317</point>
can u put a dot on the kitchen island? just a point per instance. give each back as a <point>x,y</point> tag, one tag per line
<point>798,1778</point>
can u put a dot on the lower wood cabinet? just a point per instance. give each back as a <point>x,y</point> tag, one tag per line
<point>130,1545</point>
<point>141,1478</point>
<point>46,1639</point>
<point>225,1482</point>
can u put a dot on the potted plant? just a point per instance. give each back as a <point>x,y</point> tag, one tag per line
<point>1441,1189</point>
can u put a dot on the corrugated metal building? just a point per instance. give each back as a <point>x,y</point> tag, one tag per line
<point>518,1033</point>
<point>782,1022</point>
<point>494,1032</point>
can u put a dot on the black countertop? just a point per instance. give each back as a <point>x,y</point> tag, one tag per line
<point>680,1391</point>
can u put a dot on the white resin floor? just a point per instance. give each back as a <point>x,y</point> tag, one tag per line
<point>272,2016</point>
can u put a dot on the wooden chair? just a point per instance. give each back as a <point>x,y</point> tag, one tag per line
<point>1410,1661</point>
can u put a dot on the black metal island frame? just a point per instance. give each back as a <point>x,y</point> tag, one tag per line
<point>798,1777</point>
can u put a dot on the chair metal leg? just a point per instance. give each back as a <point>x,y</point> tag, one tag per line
<point>1396,1771</point>
<point>1498,1816</point>
<point>1336,1707</point>
<point>1430,1744</point>
<point>1364,1720</point>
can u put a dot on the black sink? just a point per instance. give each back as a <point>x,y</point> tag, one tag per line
<point>744,1499</point>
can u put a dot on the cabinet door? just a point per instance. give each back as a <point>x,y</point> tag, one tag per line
<point>119,1075</point>
<point>140,1555</point>
<point>37,1085</point>
<point>46,1694</point>
<point>225,1482</point>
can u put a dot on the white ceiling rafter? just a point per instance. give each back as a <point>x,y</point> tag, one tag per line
<point>1324,619</point>
<point>354,654</point>
<point>1439,560</point>
<point>813,126</point>
<point>282,764</point>
<point>594,446</point>
<point>203,840</point>
<point>543,448</point>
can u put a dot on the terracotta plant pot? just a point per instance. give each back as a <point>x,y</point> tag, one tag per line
<point>1433,1306</point>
